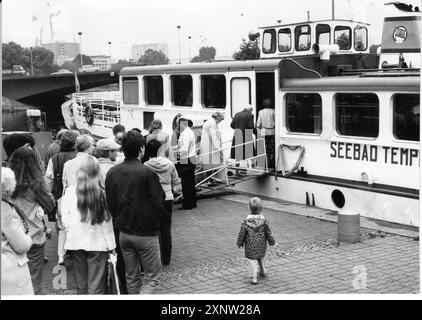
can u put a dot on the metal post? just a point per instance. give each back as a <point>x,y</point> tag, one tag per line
<point>109,51</point>
<point>178,28</point>
<point>80,47</point>
<point>332,9</point>
<point>189,37</point>
<point>32,62</point>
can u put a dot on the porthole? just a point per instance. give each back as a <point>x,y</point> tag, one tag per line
<point>338,198</point>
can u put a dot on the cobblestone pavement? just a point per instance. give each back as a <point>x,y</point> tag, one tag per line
<point>205,259</point>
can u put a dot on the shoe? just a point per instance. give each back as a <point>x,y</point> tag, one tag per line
<point>254,280</point>
<point>262,274</point>
<point>60,262</point>
<point>45,259</point>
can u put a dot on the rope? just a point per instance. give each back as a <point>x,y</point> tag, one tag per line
<point>296,166</point>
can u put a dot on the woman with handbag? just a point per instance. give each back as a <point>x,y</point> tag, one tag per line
<point>89,228</point>
<point>32,199</point>
<point>15,242</point>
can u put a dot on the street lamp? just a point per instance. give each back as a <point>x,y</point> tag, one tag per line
<point>80,47</point>
<point>189,37</point>
<point>178,28</point>
<point>109,49</point>
<point>32,63</point>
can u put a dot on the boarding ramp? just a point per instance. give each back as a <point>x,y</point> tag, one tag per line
<point>235,171</point>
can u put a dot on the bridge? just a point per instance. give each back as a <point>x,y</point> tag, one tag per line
<point>48,92</point>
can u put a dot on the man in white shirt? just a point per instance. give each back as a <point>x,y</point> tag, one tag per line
<point>266,129</point>
<point>187,163</point>
<point>106,151</point>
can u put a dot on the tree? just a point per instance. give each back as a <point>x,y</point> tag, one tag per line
<point>71,66</point>
<point>85,60</point>
<point>153,57</point>
<point>248,50</point>
<point>42,59</point>
<point>205,54</point>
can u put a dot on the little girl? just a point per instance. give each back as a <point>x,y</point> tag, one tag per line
<point>254,234</point>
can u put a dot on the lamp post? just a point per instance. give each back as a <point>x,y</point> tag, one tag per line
<point>80,47</point>
<point>109,51</point>
<point>32,62</point>
<point>178,28</point>
<point>189,37</point>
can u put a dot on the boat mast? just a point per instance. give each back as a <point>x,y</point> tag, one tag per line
<point>332,9</point>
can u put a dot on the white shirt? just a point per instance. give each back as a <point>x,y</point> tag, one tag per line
<point>71,167</point>
<point>266,122</point>
<point>187,145</point>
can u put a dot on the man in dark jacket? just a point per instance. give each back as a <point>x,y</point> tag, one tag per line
<point>136,202</point>
<point>244,129</point>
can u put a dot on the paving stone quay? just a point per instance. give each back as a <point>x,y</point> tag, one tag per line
<point>308,259</point>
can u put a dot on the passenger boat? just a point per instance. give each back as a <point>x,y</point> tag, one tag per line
<point>347,121</point>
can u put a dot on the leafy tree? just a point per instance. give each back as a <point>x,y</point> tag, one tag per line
<point>42,59</point>
<point>85,60</point>
<point>248,50</point>
<point>153,57</point>
<point>205,54</point>
<point>71,66</point>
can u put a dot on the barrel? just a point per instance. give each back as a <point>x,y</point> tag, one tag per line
<point>348,226</point>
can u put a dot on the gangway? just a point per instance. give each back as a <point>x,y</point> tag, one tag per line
<point>249,168</point>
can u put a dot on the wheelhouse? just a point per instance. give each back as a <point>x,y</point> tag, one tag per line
<point>301,38</point>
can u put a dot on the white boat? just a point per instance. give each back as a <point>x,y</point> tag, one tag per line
<point>347,121</point>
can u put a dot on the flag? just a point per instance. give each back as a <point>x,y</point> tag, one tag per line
<point>34,18</point>
<point>77,86</point>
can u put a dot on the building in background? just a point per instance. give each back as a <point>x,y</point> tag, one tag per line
<point>139,49</point>
<point>63,51</point>
<point>102,62</point>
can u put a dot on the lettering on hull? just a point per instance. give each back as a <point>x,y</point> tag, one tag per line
<point>374,153</point>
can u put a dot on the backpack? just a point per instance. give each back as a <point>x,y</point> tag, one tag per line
<point>58,161</point>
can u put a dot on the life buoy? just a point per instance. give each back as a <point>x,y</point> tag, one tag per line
<point>89,114</point>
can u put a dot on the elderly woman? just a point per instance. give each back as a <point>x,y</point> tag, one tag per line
<point>211,144</point>
<point>15,242</point>
<point>156,133</point>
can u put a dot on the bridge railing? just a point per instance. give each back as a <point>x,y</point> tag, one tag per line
<point>105,106</point>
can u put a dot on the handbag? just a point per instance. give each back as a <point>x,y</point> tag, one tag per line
<point>112,280</point>
<point>112,284</point>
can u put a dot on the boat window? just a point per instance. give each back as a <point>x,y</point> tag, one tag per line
<point>304,113</point>
<point>303,38</point>
<point>213,91</point>
<point>361,38</point>
<point>323,34</point>
<point>130,90</point>
<point>284,40</point>
<point>181,90</point>
<point>343,37</point>
<point>268,42</point>
<point>153,90</point>
<point>357,114</point>
<point>240,94</point>
<point>406,108</point>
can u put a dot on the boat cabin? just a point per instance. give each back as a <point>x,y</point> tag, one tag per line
<point>298,39</point>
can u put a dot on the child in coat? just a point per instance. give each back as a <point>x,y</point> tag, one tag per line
<point>254,234</point>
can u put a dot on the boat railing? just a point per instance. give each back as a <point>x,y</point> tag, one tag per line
<point>105,106</point>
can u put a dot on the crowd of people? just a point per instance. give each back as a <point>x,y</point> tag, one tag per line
<point>108,197</point>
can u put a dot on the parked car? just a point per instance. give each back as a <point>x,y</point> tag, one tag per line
<point>62,71</point>
<point>17,70</point>
<point>88,68</point>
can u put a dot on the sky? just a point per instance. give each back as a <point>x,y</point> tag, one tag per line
<point>218,23</point>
